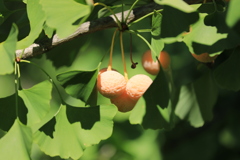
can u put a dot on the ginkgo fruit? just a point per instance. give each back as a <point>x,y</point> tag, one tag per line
<point>111,83</point>
<point>153,67</point>
<point>137,85</point>
<point>123,102</point>
<point>204,57</point>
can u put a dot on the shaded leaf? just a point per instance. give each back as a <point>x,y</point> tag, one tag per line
<point>78,84</point>
<point>17,143</point>
<point>196,100</point>
<point>63,14</point>
<point>36,18</point>
<point>158,93</point>
<point>77,138</point>
<point>227,74</point>
<point>37,100</point>
<point>158,108</point>
<point>7,52</point>
<point>177,17</point>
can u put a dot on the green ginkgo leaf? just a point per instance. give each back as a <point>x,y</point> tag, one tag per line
<point>156,42</point>
<point>17,143</point>
<point>196,100</point>
<point>199,41</point>
<point>77,139</point>
<point>7,52</point>
<point>79,84</point>
<point>37,100</point>
<point>233,14</point>
<point>36,18</point>
<point>64,15</point>
<point>157,105</point>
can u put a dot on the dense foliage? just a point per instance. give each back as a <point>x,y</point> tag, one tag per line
<point>50,107</point>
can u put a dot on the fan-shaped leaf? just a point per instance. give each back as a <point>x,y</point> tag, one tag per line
<point>17,143</point>
<point>7,52</point>
<point>199,36</point>
<point>36,18</point>
<point>37,99</point>
<point>79,84</point>
<point>64,15</point>
<point>70,139</point>
<point>196,100</point>
<point>157,99</point>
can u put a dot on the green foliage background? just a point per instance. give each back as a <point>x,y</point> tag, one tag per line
<point>52,110</point>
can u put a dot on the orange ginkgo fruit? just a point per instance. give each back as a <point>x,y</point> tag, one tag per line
<point>111,83</point>
<point>153,67</point>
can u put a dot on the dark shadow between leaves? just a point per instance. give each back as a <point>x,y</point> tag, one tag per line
<point>8,112</point>
<point>157,94</point>
<point>175,21</point>
<point>48,128</point>
<point>87,116</point>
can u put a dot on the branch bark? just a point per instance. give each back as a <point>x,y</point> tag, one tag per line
<point>86,28</point>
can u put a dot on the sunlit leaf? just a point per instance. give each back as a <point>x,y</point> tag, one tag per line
<point>233,15</point>
<point>70,139</point>
<point>178,4</point>
<point>227,74</point>
<point>64,15</point>
<point>7,85</point>
<point>17,143</point>
<point>36,18</point>
<point>199,41</point>
<point>138,112</point>
<point>37,99</point>
<point>79,84</point>
<point>156,42</point>
<point>7,52</point>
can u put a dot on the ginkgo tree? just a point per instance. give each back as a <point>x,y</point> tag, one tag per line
<point>51,52</point>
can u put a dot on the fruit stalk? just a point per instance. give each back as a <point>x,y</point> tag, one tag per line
<point>123,58</point>
<point>111,51</point>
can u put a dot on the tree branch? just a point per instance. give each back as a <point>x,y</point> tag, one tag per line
<point>86,28</point>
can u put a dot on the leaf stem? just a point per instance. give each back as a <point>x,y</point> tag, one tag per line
<point>140,36</point>
<point>131,10</point>
<point>123,58</point>
<point>118,22</point>
<point>16,81</point>
<point>111,51</point>
<point>145,16</point>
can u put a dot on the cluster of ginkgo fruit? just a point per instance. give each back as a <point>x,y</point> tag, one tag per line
<point>124,92</point>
